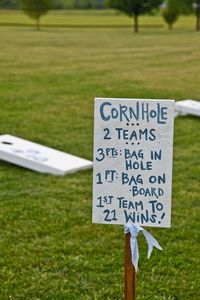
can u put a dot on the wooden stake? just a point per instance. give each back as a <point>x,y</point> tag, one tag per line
<point>130,276</point>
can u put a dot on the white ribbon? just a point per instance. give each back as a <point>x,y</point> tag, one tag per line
<point>151,241</point>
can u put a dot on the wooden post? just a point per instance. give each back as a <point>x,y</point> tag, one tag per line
<point>129,276</point>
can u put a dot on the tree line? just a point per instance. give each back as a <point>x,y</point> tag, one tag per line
<point>170,9</point>
<point>59,4</point>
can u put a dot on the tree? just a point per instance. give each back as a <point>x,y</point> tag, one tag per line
<point>134,8</point>
<point>82,4</point>
<point>98,4</point>
<point>69,4</point>
<point>196,6</point>
<point>189,6</point>
<point>9,4</point>
<point>58,4</point>
<point>36,8</point>
<point>170,12</point>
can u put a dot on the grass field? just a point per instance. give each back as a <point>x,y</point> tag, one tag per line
<point>48,247</point>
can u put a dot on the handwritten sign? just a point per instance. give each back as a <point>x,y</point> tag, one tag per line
<point>133,146</point>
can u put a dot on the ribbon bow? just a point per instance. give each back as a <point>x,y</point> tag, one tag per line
<point>151,241</point>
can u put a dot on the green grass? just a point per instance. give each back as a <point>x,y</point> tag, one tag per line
<point>48,247</point>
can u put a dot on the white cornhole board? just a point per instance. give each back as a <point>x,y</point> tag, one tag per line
<point>39,158</point>
<point>185,107</point>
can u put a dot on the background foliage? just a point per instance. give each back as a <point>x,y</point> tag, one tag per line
<point>59,4</point>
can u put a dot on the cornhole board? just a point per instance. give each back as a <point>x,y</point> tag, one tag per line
<point>185,107</point>
<point>39,158</point>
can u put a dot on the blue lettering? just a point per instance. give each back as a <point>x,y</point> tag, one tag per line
<point>103,117</point>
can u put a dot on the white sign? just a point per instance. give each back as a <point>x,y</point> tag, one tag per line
<point>39,158</point>
<point>133,147</point>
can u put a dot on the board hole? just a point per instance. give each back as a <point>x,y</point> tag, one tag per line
<point>6,143</point>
